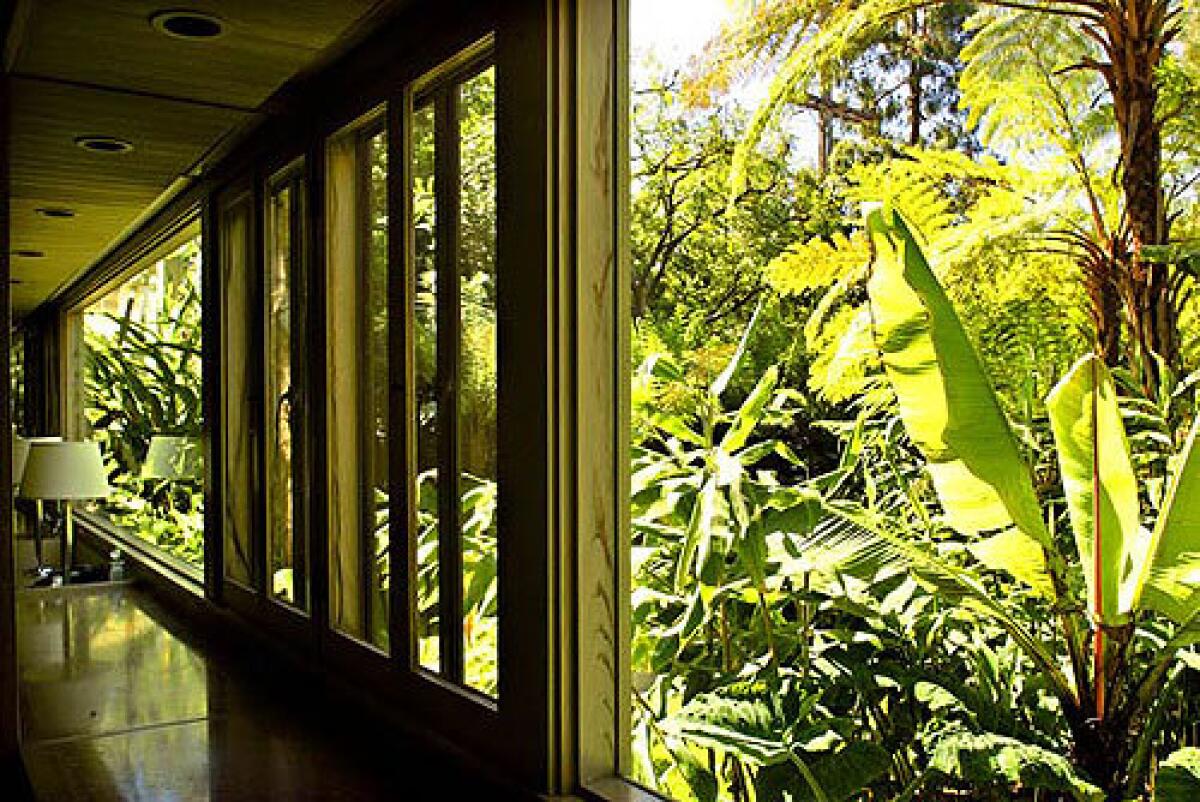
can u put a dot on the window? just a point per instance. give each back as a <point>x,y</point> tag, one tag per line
<point>237,469</point>
<point>452,196</point>
<point>136,388</point>
<point>357,330</point>
<point>283,383</point>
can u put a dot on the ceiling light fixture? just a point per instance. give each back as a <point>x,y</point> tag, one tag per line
<point>187,24</point>
<point>103,144</point>
<point>56,212</point>
<point>28,254</point>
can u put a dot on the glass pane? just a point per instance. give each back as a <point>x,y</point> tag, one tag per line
<point>235,398</point>
<point>139,395</point>
<point>425,325</point>
<point>343,396</point>
<point>376,354</point>
<point>477,376</point>
<point>357,391</point>
<point>285,569</point>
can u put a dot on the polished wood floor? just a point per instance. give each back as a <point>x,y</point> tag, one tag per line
<point>119,704</point>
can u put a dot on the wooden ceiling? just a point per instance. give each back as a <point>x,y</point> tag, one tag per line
<point>98,67</point>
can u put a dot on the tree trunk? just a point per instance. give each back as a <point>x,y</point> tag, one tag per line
<point>916,75</point>
<point>824,141</point>
<point>1106,315</point>
<point>1136,41</point>
<point>915,101</point>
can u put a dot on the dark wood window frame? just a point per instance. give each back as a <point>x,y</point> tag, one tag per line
<point>294,180</point>
<point>240,198</point>
<point>441,92</point>
<point>361,133</point>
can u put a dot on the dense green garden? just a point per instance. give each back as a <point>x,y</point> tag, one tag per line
<point>140,379</point>
<point>916,513</point>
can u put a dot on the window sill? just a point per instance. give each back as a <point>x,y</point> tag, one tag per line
<point>616,789</point>
<point>145,555</point>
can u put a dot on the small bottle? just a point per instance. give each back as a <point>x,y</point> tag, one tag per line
<point>116,566</point>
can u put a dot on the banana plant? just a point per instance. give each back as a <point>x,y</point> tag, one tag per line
<point>1138,579</point>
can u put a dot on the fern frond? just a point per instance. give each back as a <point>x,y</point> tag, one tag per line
<point>818,263</point>
<point>853,541</point>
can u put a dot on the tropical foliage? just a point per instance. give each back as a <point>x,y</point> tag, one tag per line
<point>141,378</point>
<point>915,518</point>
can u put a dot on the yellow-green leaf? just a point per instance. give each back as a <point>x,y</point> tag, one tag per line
<point>1100,485</point>
<point>947,402</point>
<point>1170,579</point>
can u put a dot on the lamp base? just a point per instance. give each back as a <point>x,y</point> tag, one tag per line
<point>48,577</point>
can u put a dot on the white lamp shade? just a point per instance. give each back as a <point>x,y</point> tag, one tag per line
<point>21,446</point>
<point>66,471</point>
<point>172,457</point>
<point>20,452</point>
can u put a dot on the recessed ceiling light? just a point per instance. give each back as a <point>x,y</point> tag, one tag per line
<point>103,144</point>
<point>187,24</point>
<point>28,254</point>
<point>57,212</point>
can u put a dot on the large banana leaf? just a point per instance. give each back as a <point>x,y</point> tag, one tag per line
<point>949,407</point>
<point>1101,487</point>
<point>1170,580</point>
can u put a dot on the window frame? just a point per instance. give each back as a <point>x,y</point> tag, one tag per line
<point>182,227</point>
<point>440,91</point>
<point>223,206</point>
<point>294,178</point>
<point>357,136</point>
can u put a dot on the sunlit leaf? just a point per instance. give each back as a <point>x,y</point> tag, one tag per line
<point>1171,576</point>
<point>1004,763</point>
<point>1178,777</point>
<point>946,401</point>
<point>1101,487</point>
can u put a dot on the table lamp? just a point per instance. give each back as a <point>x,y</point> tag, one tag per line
<point>21,446</point>
<point>20,452</point>
<point>66,472</point>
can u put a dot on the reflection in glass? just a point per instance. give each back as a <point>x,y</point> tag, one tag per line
<point>285,569</point>
<point>425,336</point>
<point>477,379</point>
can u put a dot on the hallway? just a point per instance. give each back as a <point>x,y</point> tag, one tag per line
<point>118,702</point>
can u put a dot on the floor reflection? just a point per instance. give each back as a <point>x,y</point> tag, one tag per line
<point>95,663</point>
<point>116,705</point>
